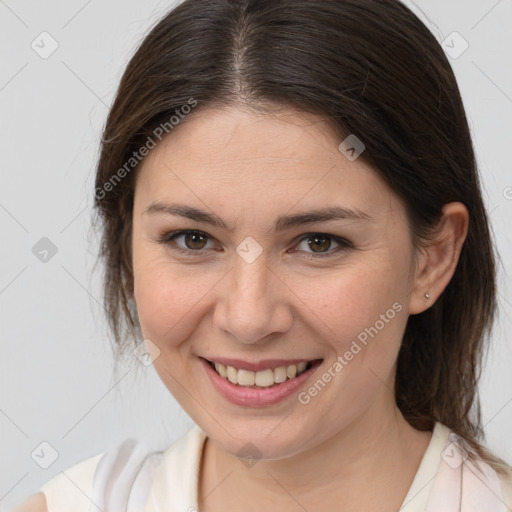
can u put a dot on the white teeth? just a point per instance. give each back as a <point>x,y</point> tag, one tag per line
<point>221,370</point>
<point>232,375</point>
<point>291,371</point>
<point>280,374</point>
<point>263,378</point>
<point>245,378</point>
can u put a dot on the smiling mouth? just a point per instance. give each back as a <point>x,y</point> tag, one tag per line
<point>264,378</point>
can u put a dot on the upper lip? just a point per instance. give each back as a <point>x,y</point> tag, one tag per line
<point>256,366</point>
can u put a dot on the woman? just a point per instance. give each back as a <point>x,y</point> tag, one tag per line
<point>292,221</point>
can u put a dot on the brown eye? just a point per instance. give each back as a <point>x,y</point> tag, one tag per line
<point>185,241</point>
<point>194,240</point>
<point>319,243</point>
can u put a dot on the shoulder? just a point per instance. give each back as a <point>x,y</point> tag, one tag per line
<point>35,503</point>
<point>86,482</point>
<point>487,478</point>
<point>71,488</point>
<point>452,472</point>
<point>124,473</point>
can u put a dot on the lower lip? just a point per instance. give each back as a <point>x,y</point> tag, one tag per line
<point>254,397</point>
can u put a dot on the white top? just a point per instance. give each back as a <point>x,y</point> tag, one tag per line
<point>174,483</point>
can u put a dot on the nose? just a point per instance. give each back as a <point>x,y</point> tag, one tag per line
<point>253,302</point>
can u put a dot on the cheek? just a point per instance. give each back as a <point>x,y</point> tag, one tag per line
<point>360,314</point>
<point>347,302</point>
<point>170,299</point>
<point>162,302</point>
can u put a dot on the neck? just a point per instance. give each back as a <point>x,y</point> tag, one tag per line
<point>380,448</point>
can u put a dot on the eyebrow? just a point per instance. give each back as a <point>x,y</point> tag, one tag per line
<point>282,223</point>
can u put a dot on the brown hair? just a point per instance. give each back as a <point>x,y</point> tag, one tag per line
<point>370,68</point>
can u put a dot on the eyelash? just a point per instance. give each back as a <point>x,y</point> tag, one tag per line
<point>167,238</point>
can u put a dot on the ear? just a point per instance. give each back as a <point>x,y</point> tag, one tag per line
<point>436,262</point>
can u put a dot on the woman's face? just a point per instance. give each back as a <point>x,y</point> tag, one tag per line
<point>264,283</point>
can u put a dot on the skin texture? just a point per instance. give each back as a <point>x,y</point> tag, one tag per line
<point>249,169</point>
<point>350,443</point>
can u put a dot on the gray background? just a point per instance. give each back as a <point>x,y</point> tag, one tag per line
<point>56,379</point>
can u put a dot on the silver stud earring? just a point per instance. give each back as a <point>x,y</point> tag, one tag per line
<point>427,296</point>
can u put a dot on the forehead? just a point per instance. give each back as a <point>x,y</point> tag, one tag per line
<point>248,159</point>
